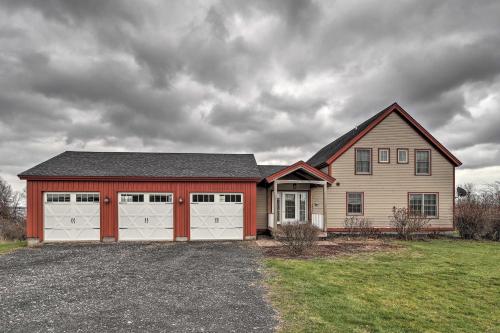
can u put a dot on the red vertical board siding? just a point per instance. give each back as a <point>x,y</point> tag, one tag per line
<point>110,189</point>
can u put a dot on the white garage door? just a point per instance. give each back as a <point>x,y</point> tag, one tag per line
<point>71,216</point>
<point>216,216</point>
<point>145,216</point>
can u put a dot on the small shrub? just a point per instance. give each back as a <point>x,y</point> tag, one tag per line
<point>297,237</point>
<point>406,223</point>
<point>477,215</point>
<point>358,225</point>
<point>471,218</point>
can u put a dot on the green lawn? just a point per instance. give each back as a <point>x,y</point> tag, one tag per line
<point>435,286</point>
<point>9,246</point>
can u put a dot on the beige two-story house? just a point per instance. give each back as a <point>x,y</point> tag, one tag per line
<point>388,161</point>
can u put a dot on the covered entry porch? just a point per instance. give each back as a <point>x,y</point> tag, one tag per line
<point>297,194</point>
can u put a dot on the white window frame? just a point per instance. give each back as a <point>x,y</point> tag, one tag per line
<point>422,195</point>
<point>219,198</point>
<point>407,151</point>
<point>87,194</point>
<point>58,195</point>
<point>169,198</point>
<point>281,206</point>
<point>388,160</point>
<point>362,204</point>
<point>144,196</point>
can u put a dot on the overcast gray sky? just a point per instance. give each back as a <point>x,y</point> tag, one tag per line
<point>276,78</point>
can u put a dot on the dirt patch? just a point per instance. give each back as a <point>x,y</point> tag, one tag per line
<point>333,249</point>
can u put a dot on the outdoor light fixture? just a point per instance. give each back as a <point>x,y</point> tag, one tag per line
<point>181,200</point>
<point>107,200</point>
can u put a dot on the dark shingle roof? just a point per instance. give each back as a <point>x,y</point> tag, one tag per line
<point>121,164</point>
<point>267,170</point>
<point>319,159</point>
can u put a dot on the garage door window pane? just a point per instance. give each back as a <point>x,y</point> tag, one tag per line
<point>203,198</point>
<point>58,197</point>
<point>87,197</point>
<point>160,198</point>
<point>132,198</point>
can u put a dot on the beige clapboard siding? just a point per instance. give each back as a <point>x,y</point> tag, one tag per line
<point>389,184</point>
<point>261,207</point>
<point>317,199</point>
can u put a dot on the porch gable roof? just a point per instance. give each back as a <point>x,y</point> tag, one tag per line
<point>303,166</point>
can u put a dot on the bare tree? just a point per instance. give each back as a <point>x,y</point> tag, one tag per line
<point>478,213</point>
<point>12,223</point>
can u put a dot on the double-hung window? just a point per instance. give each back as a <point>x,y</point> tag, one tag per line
<point>422,162</point>
<point>363,161</point>
<point>425,204</point>
<point>355,202</point>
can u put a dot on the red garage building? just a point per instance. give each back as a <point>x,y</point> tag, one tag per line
<point>84,196</point>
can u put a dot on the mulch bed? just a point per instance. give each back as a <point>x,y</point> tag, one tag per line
<point>340,248</point>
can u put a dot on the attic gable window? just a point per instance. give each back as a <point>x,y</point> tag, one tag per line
<point>363,161</point>
<point>384,155</point>
<point>402,156</point>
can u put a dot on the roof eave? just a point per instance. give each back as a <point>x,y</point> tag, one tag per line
<point>141,178</point>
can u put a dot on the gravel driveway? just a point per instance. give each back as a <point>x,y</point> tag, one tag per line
<point>174,287</point>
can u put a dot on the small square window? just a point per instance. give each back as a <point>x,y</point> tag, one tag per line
<point>384,155</point>
<point>402,155</point>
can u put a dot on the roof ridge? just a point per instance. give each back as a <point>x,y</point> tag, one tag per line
<point>147,152</point>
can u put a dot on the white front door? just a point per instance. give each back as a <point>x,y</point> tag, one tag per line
<point>145,216</point>
<point>71,216</point>
<point>292,206</point>
<point>216,216</point>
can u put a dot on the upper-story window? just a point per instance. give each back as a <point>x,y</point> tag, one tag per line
<point>384,155</point>
<point>363,161</point>
<point>402,155</point>
<point>422,162</point>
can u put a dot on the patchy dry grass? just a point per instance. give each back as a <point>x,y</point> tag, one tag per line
<point>426,286</point>
<point>10,246</point>
<point>338,247</point>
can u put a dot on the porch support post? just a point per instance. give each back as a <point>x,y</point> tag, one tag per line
<point>325,195</point>
<point>275,205</point>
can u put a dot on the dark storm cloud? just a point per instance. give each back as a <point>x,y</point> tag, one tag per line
<point>278,78</point>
